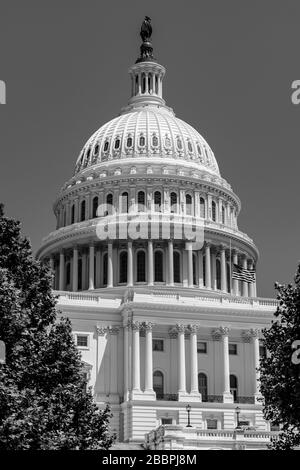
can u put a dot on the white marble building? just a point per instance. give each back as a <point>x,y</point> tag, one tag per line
<point>160,324</point>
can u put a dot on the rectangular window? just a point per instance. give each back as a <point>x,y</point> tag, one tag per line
<point>158,344</point>
<point>166,421</point>
<point>82,341</point>
<point>262,351</point>
<point>233,349</point>
<point>201,347</point>
<point>212,424</point>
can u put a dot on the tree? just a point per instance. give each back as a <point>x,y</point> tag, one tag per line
<point>279,373</point>
<point>44,403</point>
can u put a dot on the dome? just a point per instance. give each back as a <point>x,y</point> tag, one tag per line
<point>151,131</point>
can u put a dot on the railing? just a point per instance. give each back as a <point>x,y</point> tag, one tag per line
<point>167,396</point>
<point>214,399</point>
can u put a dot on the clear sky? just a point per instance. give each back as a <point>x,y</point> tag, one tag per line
<point>230,65</point>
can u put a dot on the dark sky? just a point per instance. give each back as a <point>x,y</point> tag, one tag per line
<point>230,65</point>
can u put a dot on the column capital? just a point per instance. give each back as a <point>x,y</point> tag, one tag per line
<point>148,326</point>
<point>181,328</point>
<point>252,333</point>
<point>193,328</point>
<point>136,325</point>
<point>113,330</point>
<point>173,333</point>
<point>217,333</point>
<point>101,330</point>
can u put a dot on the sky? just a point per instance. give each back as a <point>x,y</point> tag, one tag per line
<point>230,65</point>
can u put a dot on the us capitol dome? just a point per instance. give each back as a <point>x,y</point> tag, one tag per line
<point>160,323</point>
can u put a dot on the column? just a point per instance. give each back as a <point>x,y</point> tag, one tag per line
<point>255,341</point>
<point>136,380</point>
<point>139,83</point>
<point>244,283</point>
<point>207,266</point>
<point>251,284</point>
<point>190,263</point>
<point>113,330</point>
<point>91,267</point>
<point>200,268</point>
<point>222,333</point>
<point>223,269</point>
<point>150,263</point>
<point>75,270</point>
<point>235,282</point>
<point>84,273</point>
<point>213,269</point>
<point>194,360</point>
<point>171,263</point>
<point>146,83</point>
<point>109,265</point>
<point>129,265</point>
<point>98,267</point>
<point>61,271</point>
<point>181,361</point>
<point>126,361</point>
<point>51,261</point>
<point>153,84</point>
<point>149,362</point>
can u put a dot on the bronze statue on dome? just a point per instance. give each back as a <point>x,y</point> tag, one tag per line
<point>146,29</point>
<point>146,47</point>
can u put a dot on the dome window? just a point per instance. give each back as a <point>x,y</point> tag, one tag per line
<point>199,149</point>
<point>96,150</point>
<point>142,141</point>
<point>167,141</point>
<point>129,142</point>
<point>190,146</point>
<point>88,153</point>
<point>154,141</point>
<point>214,211</point>
<point>106,146</point>
<point>179,143</point>
<point>117,144</point>
<point>173,203</point>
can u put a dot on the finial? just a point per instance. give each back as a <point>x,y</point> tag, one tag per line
<point>146,47</point>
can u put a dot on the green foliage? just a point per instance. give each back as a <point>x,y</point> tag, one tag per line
<point>43,399</point>
<point>280,378</point>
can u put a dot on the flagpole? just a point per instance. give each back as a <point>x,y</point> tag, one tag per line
<point>230,264</point>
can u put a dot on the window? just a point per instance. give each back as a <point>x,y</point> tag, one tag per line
<point>142,141</point>
<point>123,267</point>
<point>228,277</point>
<point>141,201</point>
<point>173,203</point>
<point>179,143</point>
<point>194,269</point>
<point>212,424</point>
<point>155,141</point>
<point>234,387</point>
<point>188,202</point>
<point>262,351</point>
<point>104,272</point>
<point>213,211</point>
<point>95,207</point>
<point>232,349</point>
<point>68,273</point>
<point>167,142</point>
<point>223,215</point>
<point>176,266</point>
<point>158,344</point>
<point>158,263</point>
<point>158,384</point>
<point>82,211</point>
<point>199,149</point>
<point>106,145</point>
<point>73,214</point>
<point>157,201</point>
<point>166,421</point>
<point>124,203</point>
<point>80,274</point>
<point>202,385</point>
<point>204,272</point>
<point>202,207</point>
<point>82,341</point>
<point>218,273</point>
<point>96,150</point>
<point>109,204</point>
<point>201,347</point>
<point>129,142</point>
<point>190,146</point>
<point>141,266</point>
<point>117,144</point>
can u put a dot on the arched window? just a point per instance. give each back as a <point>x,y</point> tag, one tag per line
<point>179,143</point>
<point>106,145</point>
<point>190,146</point>
<point>155,141</point>
<point>141,201</point>
<point>129,142</point>
<point>72,214</point>
<point>124,203</point>
<point>202,207</point>
<point>223,215</point>
<point>199,149</point>
<point>194,269</point>
<point>104,269</point>
<point>173,203</point>
<point>202,385</point>
<point>203,269</point>
<point>156,84</point>
<point>117,144</point>
<point>157,201</point>
<point>213,211</point>
<point>96,150</point>
<point>95,207</point>
<point>142,141</point>
<point>158,266</point>
<point>109,204</point>
<point>218,273</point>
<point>188,202</point>
<point>176,266</point>
<point>80,274</point>
<point>167,142</point>
<point>141,266</point>
<point>228,277</point>
<point>234,387</point>
<point>143,83</point>
<point>82,211</point>
<point>68,273</point>
<point>123,267</point>
<point>158,384</point>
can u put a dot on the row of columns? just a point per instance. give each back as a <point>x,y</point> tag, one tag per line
<point>179,331</point>
<point>247,289</point>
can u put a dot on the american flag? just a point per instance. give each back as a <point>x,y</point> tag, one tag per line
<point>243,274</point>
